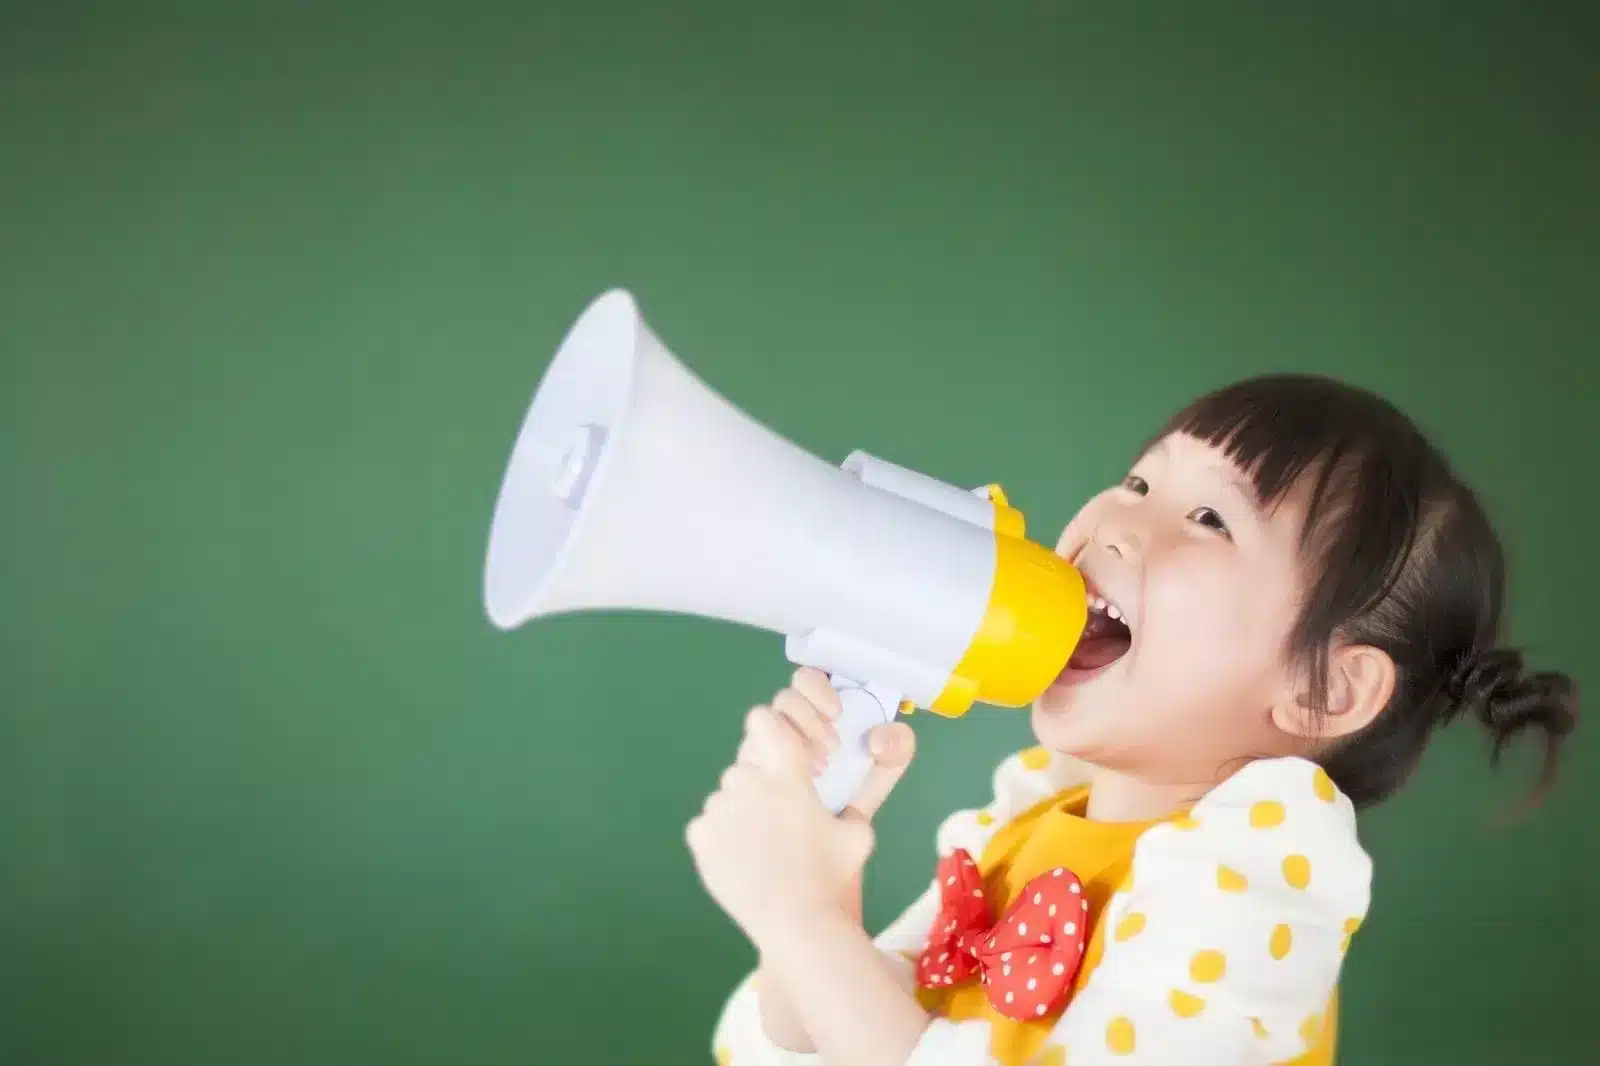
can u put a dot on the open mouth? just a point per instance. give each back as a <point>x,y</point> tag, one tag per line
<point>1106,638</point>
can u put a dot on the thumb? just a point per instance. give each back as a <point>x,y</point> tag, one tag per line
<point>892,747</point>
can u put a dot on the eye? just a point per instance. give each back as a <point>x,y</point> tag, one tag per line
<point>1136,485</point>
<point>1205,516</point>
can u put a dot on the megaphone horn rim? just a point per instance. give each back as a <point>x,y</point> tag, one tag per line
<point>509,609</point>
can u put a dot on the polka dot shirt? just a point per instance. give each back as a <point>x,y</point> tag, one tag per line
<point>1222,943</point>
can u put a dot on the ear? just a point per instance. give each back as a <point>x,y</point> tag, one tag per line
<point>1361,679</point>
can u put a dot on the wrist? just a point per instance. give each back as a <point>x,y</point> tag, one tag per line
<point>786,918</point>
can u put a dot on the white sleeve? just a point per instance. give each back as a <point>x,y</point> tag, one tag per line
<point>1227,945</point>
<point>1021,781</point>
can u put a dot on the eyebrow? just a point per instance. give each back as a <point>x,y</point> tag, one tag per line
<point>1227,472</point>
<point>1242,485</point>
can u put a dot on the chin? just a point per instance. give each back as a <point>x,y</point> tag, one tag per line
<point>1079,716</point>
<point>1056,722</point>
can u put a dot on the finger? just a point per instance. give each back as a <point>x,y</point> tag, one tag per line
<point>775,745</point>
<point>814,685</point>
<point>736,779</point>
<point>750,741</point>
<point>713,803</point>
<point>822,737</point>
<point>751,716</point>
<point>892,747</point>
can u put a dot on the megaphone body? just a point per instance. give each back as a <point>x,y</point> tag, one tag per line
<point>634,486</point>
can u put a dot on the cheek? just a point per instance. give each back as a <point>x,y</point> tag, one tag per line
<point>1204,620</point>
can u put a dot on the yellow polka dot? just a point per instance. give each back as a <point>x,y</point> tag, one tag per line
<point>1261,1030</point>
<point>1036,758</point>
<point>1184,1005</point>
<point>1266,815</point>
<point>1208,966</point>
<point>985,818</point>
<point>1350,927</point>
<point>1297,871</point>
<point>1311,1029</point>
<point>1119,1036</point>
<point>1186,822</point>
<point>724,1056</point>
<point>1282,940</point>
<point>1054,1055</point>
<point>1322,785</point>
<point>1130,926</point>
<point>1231,880</point>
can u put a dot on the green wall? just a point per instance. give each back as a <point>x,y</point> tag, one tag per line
<point>275,284</point>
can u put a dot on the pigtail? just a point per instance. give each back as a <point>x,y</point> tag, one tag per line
<point>1495,688</point>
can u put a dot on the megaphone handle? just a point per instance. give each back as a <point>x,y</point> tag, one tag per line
<point>864,708</point>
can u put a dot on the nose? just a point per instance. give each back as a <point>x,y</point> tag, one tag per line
<point>1117,536</point>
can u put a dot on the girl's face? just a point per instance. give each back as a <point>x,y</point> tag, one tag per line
<point>1207,583</point>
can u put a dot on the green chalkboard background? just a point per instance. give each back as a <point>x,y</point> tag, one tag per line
<point>276,282</point>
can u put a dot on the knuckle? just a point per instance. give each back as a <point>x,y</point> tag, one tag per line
<point>790,703</point>
<point>801,713</point>
<point>815,686</point>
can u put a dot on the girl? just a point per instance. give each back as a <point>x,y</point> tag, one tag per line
<point>1291,591</point>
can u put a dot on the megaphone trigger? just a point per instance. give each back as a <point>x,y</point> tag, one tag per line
<point>863,708</point>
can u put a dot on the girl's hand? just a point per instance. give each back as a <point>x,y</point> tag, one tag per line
<point>811,706</point>
<point>766,848</point>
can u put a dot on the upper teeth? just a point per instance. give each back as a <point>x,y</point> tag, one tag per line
<point>1099,603</point>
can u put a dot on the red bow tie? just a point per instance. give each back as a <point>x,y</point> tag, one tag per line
<point>1028,959</point>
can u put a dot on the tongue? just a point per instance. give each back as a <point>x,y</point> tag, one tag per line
<point>1104,641</point>
<point>1093,653</point>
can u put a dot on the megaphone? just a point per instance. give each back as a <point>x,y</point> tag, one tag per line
<point>633,486</point>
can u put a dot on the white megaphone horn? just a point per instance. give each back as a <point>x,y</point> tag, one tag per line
<point>633,486</point>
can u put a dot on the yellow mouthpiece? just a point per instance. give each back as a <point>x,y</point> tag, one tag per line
<point>1037,610</point>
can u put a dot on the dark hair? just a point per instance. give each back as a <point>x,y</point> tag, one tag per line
<point>1401,557</point>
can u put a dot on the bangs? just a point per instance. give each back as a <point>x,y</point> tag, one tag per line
<point>1366,465</point>
<point>1277,431</point>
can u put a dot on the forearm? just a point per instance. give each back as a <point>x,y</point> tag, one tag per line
<point>780,1021</point>
<point>842,995</point>
<point>778,1017</point>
